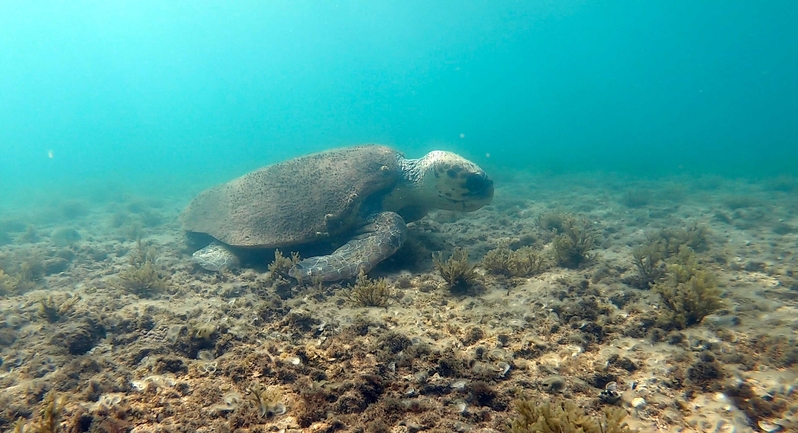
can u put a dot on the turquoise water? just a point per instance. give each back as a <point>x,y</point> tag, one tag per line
<point>639,250</point>
<point>164,95</point>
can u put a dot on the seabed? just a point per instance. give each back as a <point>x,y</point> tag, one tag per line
<point>674,301</point>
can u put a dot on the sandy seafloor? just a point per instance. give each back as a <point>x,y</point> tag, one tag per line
<point>184,358</point>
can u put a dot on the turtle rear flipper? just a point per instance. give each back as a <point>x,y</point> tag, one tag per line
<point>380,238</point>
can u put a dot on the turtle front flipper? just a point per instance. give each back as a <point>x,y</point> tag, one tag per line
<point>384,233</point>
<point>216,257</point>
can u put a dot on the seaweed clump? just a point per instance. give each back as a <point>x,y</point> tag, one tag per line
<point>706,372</point>
<point>49,417</point>
<point>523,262</point>
<point>24,278</point>
<point>30,236</point>
<point>756,407</point>
<point>52,309</point>
<point>565,417</point>
<point>649,259</point>
<point>456,270</point>
<point>141,277</point>
<point>695,237</point>
<point>8,284</point>
<point>31,270</point>
<point>575,238</point>
<point>267,399</point>
<point>552,221</point>
<point>202,331</point>
<point>636,198</point>
<point>281,264</point>
<point>368,292</point>
<point>688,292</point>
<point>780,351</point>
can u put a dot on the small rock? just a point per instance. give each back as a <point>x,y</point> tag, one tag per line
<point>55,265</point>
<point>64,236</point>
<point>170,364</point>
<point>553,384</point>
<point>769,427</point>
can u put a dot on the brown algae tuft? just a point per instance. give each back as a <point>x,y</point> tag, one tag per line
<point>267,399</point>
<point>49,416</point>
<point>688,292</point>
<point>368,292</point>
<point>565,417</point>
<point>572,237</point>
<point>456,270</point>
<point>52,308</point>
<point>523,262</point>
<point>650,258</point>
<point>648,261</point>
<point>8,284</point>
<point>281,264</point>
<point>141,277</point>
<point>574,240</point>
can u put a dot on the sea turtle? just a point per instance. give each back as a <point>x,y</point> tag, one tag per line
<point>359,196</point>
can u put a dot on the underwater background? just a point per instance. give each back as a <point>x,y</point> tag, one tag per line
<point>636,270</point>
<point>164,94</point>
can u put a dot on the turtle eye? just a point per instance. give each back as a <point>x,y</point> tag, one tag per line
<point>478,183</point>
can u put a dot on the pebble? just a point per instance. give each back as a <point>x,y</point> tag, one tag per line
<point>460,384</point>
<point>503,368</point>
<point>638,402</point>
<point>769,427</point>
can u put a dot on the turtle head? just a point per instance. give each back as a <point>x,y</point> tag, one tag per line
<point>452,182</point>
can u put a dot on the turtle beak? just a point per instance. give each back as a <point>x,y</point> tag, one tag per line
<point>480,187</point>
<point>480,191</point>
